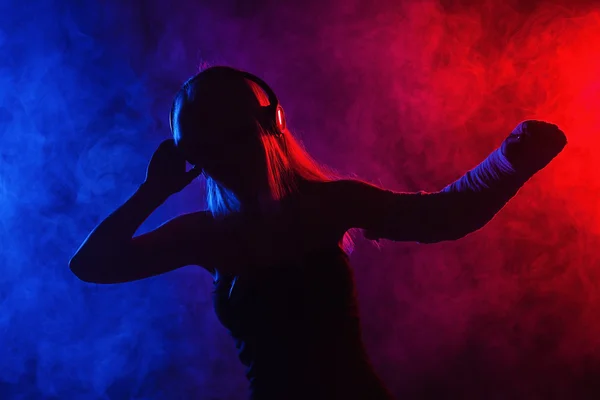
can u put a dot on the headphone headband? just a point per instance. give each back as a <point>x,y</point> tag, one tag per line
<point>272,114</point>
<point>273,100</point>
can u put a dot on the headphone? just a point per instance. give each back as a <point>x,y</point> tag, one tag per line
<point>270,116</point>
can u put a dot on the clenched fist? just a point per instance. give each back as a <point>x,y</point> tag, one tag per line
<point>532,145</point>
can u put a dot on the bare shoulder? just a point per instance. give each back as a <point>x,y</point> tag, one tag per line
<point>351,203</point>
<point>322,207</point>
<point>340,189</point>
<point>327,192</point>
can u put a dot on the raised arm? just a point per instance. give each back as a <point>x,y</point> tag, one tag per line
<point>460,208</point>
<point>110,253</point>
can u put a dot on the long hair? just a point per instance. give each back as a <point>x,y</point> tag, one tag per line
<point>287,163</point>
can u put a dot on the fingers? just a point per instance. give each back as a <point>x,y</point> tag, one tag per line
<point>533,127</point>
<point>538,137</point>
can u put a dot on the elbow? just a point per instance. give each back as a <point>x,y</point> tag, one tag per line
<point>83,270</point>
<point>78,269</point>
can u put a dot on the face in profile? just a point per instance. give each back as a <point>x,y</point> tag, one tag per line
<point>217,130</point>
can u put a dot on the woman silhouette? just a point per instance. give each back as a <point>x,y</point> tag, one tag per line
<point>275,238</point>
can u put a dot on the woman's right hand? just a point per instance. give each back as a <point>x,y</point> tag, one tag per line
<point>166,173</point>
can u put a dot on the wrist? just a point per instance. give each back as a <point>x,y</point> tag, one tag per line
<point>503,162</point>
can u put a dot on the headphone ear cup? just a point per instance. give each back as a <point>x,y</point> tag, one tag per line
<point>280,121</point>
<point>273,119</point>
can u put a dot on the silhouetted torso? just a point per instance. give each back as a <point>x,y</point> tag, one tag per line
<point>296,327</point>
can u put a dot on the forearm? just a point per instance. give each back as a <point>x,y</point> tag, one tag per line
<point>118,228</point>
<point>475,198</point>
<point>472,201</point>
<point>495,173</point>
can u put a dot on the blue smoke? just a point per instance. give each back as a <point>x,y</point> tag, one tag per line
<point>79,119</point>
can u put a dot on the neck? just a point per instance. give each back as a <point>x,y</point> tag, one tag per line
<point>253,198</point>
<point>256,204</point>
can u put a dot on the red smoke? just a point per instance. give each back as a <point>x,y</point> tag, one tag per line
<point>516,304</point>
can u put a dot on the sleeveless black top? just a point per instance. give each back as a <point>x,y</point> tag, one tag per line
<point>297,330</point>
